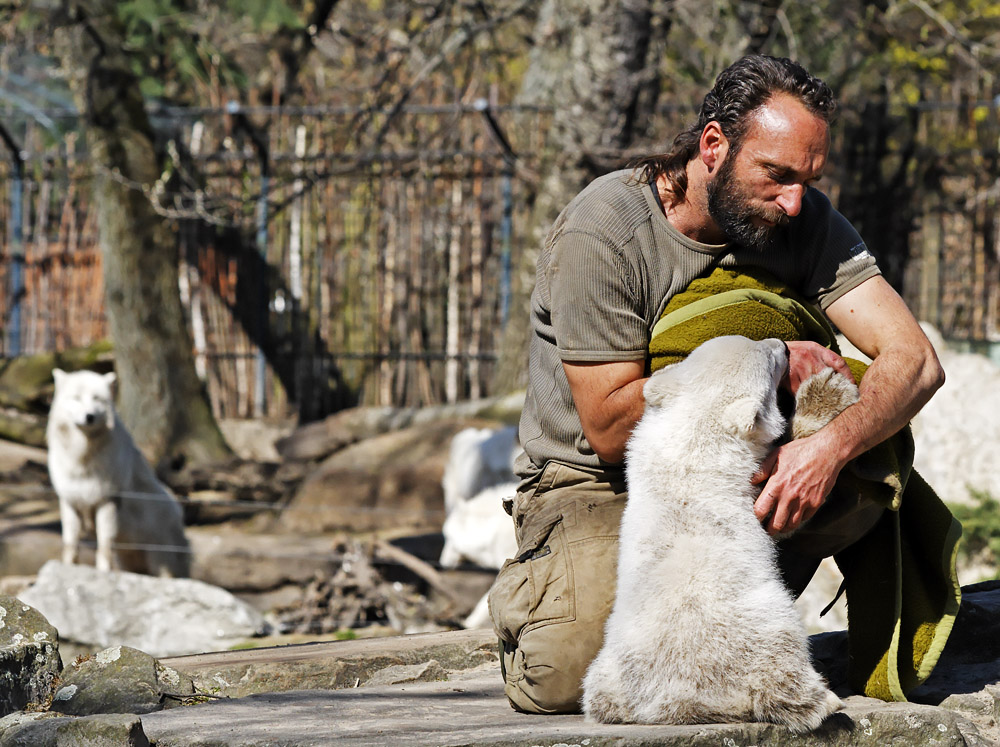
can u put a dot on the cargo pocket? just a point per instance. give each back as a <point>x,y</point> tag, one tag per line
<point>536,587</point>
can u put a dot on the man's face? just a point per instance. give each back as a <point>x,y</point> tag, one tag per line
<point>759,189</point>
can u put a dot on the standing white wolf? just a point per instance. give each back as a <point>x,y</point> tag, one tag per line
<point>703,629</point>
<point>105,485</point>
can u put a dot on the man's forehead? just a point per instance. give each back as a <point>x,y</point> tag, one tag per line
<point>785,129</point>
<point>784,119</point>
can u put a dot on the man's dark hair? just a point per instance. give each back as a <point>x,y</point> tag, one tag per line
<point>739,91</point>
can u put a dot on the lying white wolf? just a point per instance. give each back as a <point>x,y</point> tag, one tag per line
<point>105,485</point>
<point>703,630</point>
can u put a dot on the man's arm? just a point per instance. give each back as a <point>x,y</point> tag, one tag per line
<point>904,373</point>
<point>608,398</point>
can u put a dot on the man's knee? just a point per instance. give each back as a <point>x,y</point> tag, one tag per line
<point>536,683</point>
<point>544,670</point>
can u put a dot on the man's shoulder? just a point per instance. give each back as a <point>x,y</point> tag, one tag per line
<point>611,206</point>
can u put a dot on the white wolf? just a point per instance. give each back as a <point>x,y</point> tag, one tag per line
<point>703,630</point>
<point>105,485</point>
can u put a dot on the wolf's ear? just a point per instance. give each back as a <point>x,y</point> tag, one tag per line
<point>58,375</point>
<point>111,379</point>
<point>740,416</point>
<point>660,387</point>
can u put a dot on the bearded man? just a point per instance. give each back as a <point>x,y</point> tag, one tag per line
<point>736,190</point>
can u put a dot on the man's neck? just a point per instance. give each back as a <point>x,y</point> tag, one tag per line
<point>690,216</point>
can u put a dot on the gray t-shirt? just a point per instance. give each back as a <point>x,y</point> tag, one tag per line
<point>609,266</point>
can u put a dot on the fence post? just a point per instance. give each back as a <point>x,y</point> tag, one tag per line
<point>259,400</point>
<point>505,231</point>
<point>510,159</point>
<point>13,342</point>
<point>241,122</point>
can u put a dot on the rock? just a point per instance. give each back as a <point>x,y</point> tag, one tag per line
<point>389,481</point>
<point>118,680</point>
<point>965,679</point>
<point>161,616</point>
<point>331,665</point>
<point>398,674</point>
<point>14,456</point>
<point>317,440</point>
<point>29,656</point>
<point>52,730</point>
<point>254,439</point>
<point>243,562</point>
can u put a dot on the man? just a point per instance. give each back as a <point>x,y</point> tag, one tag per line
<point>735,190</point>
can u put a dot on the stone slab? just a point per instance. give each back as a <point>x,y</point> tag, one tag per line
<point>472,710</point>
<point>332,664</point>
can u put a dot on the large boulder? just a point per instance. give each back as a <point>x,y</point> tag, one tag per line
<point>29,656</point>
<point>317,440</point>
<point>389,481</point>
<point>118,680</point>
<point>53,730</point>
<point>161,616</point>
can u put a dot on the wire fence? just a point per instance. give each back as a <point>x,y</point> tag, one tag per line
<point>317,274</point>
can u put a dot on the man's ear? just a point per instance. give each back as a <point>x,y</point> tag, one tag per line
<point>714,145</point>
<point>740,416</point>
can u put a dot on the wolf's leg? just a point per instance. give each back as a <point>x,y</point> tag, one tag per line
<point>106,524</point>
<point>70,532</point>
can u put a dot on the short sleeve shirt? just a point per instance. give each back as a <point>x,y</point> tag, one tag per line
<point>609,266</point>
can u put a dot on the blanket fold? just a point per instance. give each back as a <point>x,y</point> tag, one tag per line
<point>902,587</point>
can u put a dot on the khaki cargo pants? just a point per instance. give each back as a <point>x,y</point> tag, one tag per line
<point>549,604</point>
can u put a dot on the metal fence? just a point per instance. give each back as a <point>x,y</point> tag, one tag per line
<point>316,276</point>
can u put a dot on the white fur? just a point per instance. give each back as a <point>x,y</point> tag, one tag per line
<point>477,459</point>
<point>703,629</point>
<point>479,530</point>
<point>104,484</point>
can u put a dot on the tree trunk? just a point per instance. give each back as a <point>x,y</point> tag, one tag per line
<point>593,61</point>
<point>160,399</point>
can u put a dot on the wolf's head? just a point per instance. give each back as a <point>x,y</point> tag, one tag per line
<point>727,384</point>
<point>84,399</point>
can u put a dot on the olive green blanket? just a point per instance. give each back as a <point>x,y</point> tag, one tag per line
<point>902,588</point>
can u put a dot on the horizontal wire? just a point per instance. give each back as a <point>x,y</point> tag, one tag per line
<point>242,504</point>
<point>268,554</point>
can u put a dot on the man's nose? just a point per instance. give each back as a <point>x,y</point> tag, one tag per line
<point>790,199</point>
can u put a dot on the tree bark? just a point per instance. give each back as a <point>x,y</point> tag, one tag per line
<point>161,400</point>
<point>595,62</point>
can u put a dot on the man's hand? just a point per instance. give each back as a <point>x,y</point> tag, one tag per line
<point>799,476</point>
<point>806,358</point>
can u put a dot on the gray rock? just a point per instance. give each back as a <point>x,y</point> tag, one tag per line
<point>117,680</point>
<point>390,481</point>
<point>29,656</point>
<point>474,711</point>
<point>161,616</point>
<point>339,664</point>
<point>52,730</point>
<point>399,674</point>
<point>322,438</point>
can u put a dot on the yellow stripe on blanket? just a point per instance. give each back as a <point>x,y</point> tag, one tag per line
<point>902,587</point>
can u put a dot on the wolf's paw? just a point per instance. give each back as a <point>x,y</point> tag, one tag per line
<point>820,399</point>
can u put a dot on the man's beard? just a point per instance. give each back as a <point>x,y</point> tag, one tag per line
<point>731,208</point>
